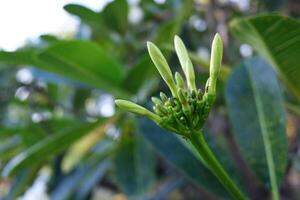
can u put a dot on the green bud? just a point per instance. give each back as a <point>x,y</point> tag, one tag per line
<point>156,100</point>
<point>183,99</point>
<point>160,110</point>
<point>181,96</point>
<point>215,63</point>
<point>179,80</point>
<point>195,120</point>
<point>162,66</point>
<point>193,94</point>
<point>183,120</point>
<point>185,62</point>
<point>137,109</point>
<point>163,96</point>
<point>199,94</point>
<point>190,76</point>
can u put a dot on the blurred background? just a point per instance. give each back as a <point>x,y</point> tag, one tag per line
<point>63,62</point>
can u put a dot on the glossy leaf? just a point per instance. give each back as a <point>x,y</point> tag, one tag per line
<point>84,61</point>
<point>256,111</point>
<point>277,39</point>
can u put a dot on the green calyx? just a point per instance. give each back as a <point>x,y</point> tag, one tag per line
<point>188,108</point>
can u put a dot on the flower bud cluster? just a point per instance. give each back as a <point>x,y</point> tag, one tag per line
<point>188,111</point>
<point>188,108</point>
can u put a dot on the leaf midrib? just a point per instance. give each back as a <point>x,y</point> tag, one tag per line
<point>265,136</point>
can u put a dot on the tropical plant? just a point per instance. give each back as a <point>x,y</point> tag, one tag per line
<point>61,131</point>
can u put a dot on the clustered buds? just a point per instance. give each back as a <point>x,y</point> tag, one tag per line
<point>188,108</point>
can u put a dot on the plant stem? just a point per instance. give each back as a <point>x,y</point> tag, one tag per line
<point>198,141</point>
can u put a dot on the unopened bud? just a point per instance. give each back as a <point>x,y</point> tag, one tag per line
<point>185,62</point>
<point>181,96</point>
<point>215,63</point>
<point>162,66</point>
<point>160,110</point>
<point>179,80</point>
<point>156,100</point>
<point>163,96</point>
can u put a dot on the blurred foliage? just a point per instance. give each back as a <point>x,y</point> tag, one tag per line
<point>60,131</point>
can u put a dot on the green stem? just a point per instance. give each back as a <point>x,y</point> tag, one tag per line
<point>198,141</point>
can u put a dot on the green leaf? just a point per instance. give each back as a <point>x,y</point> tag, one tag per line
<point>48,146</point>
<point>84,61</point>
<point>49,39</point>
<point>256,111</point>
<point>277,39</point>
<point>134,165</point>
<point>85,14</point>
<point>138,74</point>
<point>181,157</point>
<point>20,57</point>
<point>115,15</point>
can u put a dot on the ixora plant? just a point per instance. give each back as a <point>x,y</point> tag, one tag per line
<point>186,111</point>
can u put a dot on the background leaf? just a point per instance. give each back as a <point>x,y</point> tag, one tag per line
<point>115,15</point>
<point>85,14</point>
<point>256,111</point>
<point>84,61</point>
<point>277,39</point>
<point>48,146</point>
<point>133,158</point>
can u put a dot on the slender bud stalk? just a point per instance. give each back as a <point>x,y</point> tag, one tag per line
<point>162,66</point>
<point>137,109</point>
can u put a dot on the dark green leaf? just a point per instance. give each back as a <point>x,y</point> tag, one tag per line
<point>256,111</point>
<point>134,165</point>
<point>139,74</point>
<point>277,39</point>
